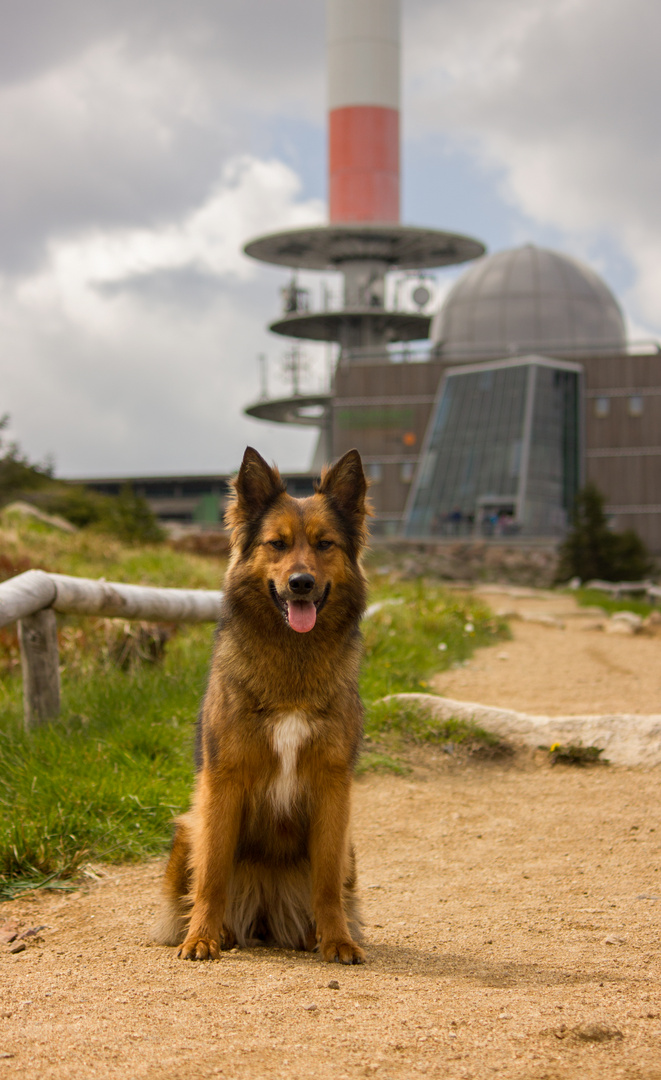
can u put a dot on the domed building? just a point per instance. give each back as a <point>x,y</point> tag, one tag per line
<point>529,390</point>
<point>528,299</point>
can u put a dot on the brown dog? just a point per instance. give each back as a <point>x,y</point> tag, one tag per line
<point>264,853</point>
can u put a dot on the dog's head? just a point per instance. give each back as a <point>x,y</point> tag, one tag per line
<point>300,553</point>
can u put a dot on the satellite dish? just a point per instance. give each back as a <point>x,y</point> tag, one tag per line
<point>421,295</point>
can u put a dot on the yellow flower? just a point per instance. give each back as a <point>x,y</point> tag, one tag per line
<point>556,746</point>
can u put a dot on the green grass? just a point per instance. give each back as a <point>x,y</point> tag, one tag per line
<point>420,630</point>
<point>408,721</point>
<point>393,725</point>
<point>87,554</point>
<point>597,598</point>
<point>105,781</point>
<point>378,761</point>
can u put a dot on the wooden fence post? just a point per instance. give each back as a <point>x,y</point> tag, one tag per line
<point>37,635</point>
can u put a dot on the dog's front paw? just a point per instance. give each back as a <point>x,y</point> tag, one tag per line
<point>199,948</point>
<point>346,952</point>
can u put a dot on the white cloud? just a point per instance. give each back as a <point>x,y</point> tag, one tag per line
<point>134,349</point>
<point>251,197</point>
<point>137,155</point>
<point>129,118</point>
<point>130,320</point>
<point>561,99</point>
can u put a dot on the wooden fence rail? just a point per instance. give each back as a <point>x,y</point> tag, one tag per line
<point>617,589</point>
<point>32,598</point>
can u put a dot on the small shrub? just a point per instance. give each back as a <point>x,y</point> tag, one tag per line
<point>129,518</point>
<point>72,502</point>
<point>576,754</point>
<point>11,565</point>
<point>16,472</point>
<point>10,657</point>
<point>138,643</point>
<point>213,544</point>
<point>126,516</point>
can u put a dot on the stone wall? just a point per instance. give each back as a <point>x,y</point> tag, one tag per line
<point>518,563</point>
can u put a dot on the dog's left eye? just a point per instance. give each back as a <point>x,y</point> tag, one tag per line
<point>324,545</point>
<point>279,545</point>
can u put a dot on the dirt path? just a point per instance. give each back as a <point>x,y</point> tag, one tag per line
<point>512,926</point>
<point>567,667</point>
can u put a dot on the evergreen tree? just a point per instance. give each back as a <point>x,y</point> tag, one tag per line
<point>591,550</point>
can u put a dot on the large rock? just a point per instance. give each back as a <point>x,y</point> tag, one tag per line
<point>626,739</point>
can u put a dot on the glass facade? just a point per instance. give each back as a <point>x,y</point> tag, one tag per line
<point>502,452</point>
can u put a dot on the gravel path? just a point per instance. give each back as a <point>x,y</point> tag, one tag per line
<point>512,926</point>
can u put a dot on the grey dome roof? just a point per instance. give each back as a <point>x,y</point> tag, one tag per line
<point>524,300</point>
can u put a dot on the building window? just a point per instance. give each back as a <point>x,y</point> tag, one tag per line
<point>406,470</point>
<point>602,407</point>
<point>476,473</point>
<point>636,405</point>
<point>374,472</point>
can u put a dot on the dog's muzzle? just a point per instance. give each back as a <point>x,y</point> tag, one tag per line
<point>298,608</point>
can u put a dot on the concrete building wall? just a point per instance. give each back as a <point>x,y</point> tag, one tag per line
<point>384,409</point>
<point>623,439</point>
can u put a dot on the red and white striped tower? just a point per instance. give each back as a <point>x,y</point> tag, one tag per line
<point>364,239</point>
<point>363,104</point>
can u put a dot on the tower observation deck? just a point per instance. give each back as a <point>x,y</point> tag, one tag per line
<point>364,239</point>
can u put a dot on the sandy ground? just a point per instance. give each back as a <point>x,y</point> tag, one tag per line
<point>511,922</point>
<point>571,668</point>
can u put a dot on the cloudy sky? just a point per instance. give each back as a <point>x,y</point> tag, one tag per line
<point>142,144</point>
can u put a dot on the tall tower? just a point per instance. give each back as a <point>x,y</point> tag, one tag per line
<point>363,110</point>
<point>364,239</point>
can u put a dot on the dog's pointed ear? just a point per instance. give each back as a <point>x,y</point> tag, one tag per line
<point>257,484</point>
<point>345,484</point>
<point>256,487</point>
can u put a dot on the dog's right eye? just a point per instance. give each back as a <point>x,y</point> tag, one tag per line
<point>279,545</point>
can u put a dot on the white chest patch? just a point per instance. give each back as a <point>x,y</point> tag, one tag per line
<point>290,732</point>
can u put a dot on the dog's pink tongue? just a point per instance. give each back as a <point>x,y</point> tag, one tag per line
<point>302,615</point>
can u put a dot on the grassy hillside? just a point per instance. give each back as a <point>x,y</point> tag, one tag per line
<point>106,779</point>
<point>28,544</point>
<point>126,515</point>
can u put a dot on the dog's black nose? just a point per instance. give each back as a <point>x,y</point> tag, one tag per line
<point>301,584</point>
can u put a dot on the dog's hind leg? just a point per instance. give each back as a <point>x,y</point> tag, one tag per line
<point>171,926</point>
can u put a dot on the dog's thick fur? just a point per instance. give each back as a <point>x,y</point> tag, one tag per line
<point>264,853</point>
